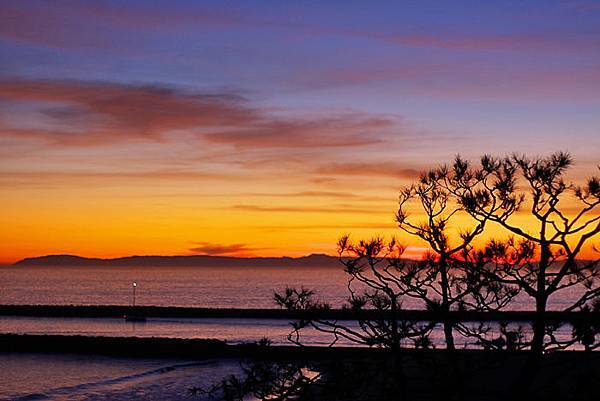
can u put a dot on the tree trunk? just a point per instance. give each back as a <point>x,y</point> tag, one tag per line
<point>394,323</point>
<point>541,299</point>
<point>531,368</point>
<point>448,325</point>
<point>539,325</point>
<point>449,335</point>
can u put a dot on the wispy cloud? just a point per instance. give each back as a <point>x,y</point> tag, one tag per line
<point>79,133</point>
<point>313,194</point>
<point>349,130</point>
<point>481,78</point>
<point>92,113</point>
<point>382,169</point>
<point>208,248</point>
<point>335,227</point>
<point>37,178</point>
<point>335,209</point>
<point>106,112</point>
<point>51,25</point>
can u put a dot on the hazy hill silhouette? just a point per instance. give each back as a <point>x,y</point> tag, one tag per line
<point>313,260</point>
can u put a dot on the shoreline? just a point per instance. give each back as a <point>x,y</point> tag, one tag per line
<point>165,347</point>
<point>202,348</point>
<point>118,311</point>
<point>490,375</point>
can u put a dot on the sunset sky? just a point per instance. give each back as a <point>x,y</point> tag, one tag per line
<point>272,127</point>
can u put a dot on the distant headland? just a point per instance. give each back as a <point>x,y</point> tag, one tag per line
<point>313,260</point>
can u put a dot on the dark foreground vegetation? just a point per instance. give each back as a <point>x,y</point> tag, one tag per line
<point>342,373</point>
<point>453,206</point>
<point>546,223</point>
<point>412,375</point>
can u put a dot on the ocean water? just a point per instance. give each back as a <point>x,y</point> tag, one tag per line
<point>181,286</point>
<point>234,331</point>
<point>85,377</point>
<point>185,286</point>
<point>69,377</point>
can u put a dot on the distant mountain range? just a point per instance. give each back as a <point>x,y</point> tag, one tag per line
<point>314,260</point>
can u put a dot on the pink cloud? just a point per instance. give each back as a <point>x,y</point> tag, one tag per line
<point>336,209</point>
<point>208,248</point>
<point>460,80</point>
<point>343,131</point>
<point>382,169</point>
<point>108,113</point>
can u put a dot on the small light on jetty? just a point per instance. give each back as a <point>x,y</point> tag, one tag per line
<point>133,317</point>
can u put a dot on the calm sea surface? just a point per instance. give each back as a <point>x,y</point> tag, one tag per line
<point>186,286</point>
<point>74,377</point>
<point>181,286</point>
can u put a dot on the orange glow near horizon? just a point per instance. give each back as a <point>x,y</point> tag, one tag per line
<point>113,221</point>
<point>91,213</point>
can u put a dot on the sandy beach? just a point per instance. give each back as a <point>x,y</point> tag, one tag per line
<point>72,377</point>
